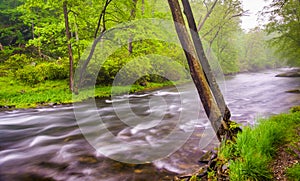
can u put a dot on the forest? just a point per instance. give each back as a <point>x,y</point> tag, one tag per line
<point>44,41</point>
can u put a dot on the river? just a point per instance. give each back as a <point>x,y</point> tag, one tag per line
<point>48,144</point>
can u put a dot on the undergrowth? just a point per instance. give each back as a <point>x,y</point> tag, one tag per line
<point>15,94</point>
<point>249,157</point>
<point>293,173</point>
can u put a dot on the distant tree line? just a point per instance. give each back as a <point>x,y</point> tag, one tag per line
<point>54,32</point>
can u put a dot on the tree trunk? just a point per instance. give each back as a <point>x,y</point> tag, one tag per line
<point>211,109</point>
<point>96,40</point>
<point>204,62</point>
<point>32,29</point>
<point>143,7</point>
<point>68,35</point>
<point>132,17</point>
<point>101,18</point>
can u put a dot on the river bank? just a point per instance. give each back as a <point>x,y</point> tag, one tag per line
<point>33,141</point>
<point>269,150</point>
<point>16,95</point>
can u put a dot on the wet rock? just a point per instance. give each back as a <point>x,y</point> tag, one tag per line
<point>144,83</point>
<point>5,107</point>
<point>51,104</point>
<point>200,174</point>
<point>138,171</point>
<point>295,109</point>
<point>32,177</point>
<point>224,168</point>
<point>212,164</point>
<point>52,165</point>
<point>295,73</point>
<point>88,159</point>
<point>202,171</point>
<point>74,137</point>
<point>297,91</point>
<point>207,157</point>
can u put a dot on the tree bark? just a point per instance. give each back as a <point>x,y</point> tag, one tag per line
<point>143,7</point>
<point>204,62</point>
<point>132,17</point>
<point>211,109</point>
<point>68,35</point>
<point>101,18</point>
<point>32,29</point>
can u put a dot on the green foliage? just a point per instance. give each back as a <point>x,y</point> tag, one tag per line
<point>8,51</point>
<point>140,70</point>
<point>254,54</point>
<point>152,61</point>
<point>13,31</point>
<point>40,25</point>
<point>194,178</point>
<point>293,173</point>
<point>29,74</point>
<point>19,95</point>
<point>284,24</point>
<point>13,93</point>
<point>18,61</point>
<point>212,175</point>
<point>219,31</point>
<point>254,148</point>
<point>295,109</point>
<point>32,74</point>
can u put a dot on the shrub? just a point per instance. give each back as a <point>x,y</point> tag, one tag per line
<point>18,61</point>
<point>52,71</point>
<point>45,71</point>
<point>255,147</point>
<point>29,74</point>
<point>151,68</point>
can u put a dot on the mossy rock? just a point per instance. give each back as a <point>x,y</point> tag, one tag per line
<point>295,109</point>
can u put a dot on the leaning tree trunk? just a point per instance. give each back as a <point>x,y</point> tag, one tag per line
<point>205,82</point>
<point>205,65</point>
<point>68,35</point>
<point>211,109</point>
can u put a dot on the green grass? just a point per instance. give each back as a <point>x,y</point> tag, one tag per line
<point>255,147</point>
<point>19,95</point>
<point>293,173</point>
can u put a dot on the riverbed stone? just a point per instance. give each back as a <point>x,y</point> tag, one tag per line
<point>32,177</point>
<point>88,159</point>
<point>296,91</point>
<point>207,157</point>
<point>289,74</point>
<point>53,165</point>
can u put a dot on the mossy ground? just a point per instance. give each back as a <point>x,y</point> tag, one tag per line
<point>14,94</point>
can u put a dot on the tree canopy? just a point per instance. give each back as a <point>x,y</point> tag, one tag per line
<point>284,26</point>
<point>36,30</point>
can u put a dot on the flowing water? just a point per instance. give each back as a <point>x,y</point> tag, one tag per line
<point>163,126</point>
